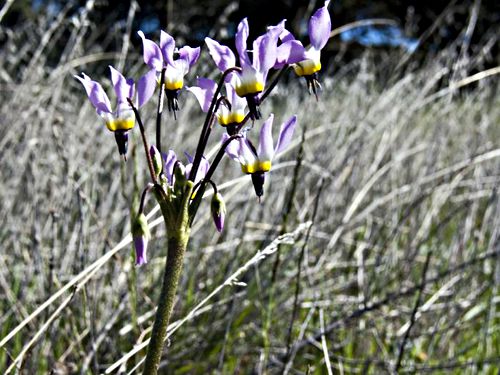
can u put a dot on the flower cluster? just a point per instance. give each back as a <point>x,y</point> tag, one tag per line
<point>232,101</point>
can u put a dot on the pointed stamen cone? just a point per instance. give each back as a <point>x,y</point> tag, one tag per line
<point>258,183</point>
<point>140,234</point>
<point>121,137</point>
<point>172,101</point>
<point>253,106</point>
<point>218,208</point>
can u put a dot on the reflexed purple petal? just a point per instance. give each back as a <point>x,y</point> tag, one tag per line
<point>168,168</point>
<point>286,36</point>
<point>202,97</point>
<point>96,94</point>
<point>241,42</point>
<point>204,92</point>
<point>289,52</point>
<point>122,87</point>
<point>286,134</point>
<point>222,55</point>
<point>232,148</point>
<point>167,46</point>
<point>265,48</point>
<point>189,54</point>
<point>146,87</point>
<point>280,27</point>
<point>180,69</point>
<point>319,27</point>
<point>140,245</point>
<point>203,168</point>
<point>189,157</point>
<point>265,151</point>
<point>245,152</point>
<point>151,52</point>
<point>237,103</point>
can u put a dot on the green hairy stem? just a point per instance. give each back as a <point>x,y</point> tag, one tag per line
<point>178,232</point>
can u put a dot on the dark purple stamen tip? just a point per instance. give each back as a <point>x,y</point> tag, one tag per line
<point>313,85</point>
<point>121,137</point>
<point>232,129</point>
<point>253,105</point>
<point>172,101</point>
<point>258,183</point>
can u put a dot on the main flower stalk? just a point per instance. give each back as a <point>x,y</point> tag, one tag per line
<point>178,231</point>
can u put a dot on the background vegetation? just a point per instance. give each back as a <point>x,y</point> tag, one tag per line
<point>389,196</point>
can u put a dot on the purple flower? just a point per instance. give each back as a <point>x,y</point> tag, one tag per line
<point>162,56</point>
<point>202,169</point>
<point>257,162</point>
<point>168,168</point>
<point>319,29</point>
<point>227,117</point>
<point>171,161</point>
<point>250,82</point>
<point>290,51</point>
<point>121,119</point>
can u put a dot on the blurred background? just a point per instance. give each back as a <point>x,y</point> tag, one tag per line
<point>415,25</point>
<point>389,191</point>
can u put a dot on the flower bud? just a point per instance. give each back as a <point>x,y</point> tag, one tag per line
<point>156,159</point>
<point>140,234</point>
<point>218,208</point>
<point>180,177</point>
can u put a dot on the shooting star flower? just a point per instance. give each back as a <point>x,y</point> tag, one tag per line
<point>162,56</point>
<point>319,29</point>
<point>257,162</point>
<point>230,116</point>
<point>250,82</point>
<point>122,119</point>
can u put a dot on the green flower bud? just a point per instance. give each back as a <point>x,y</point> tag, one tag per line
<point>157,159</point>
<point>218,208</point>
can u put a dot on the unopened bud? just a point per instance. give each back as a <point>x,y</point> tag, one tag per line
<point>218,208</point>
<point>180,177</point>
<point>156,159</point>
<point>140,234</point>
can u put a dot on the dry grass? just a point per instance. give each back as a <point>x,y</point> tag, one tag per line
<point>399,269</point>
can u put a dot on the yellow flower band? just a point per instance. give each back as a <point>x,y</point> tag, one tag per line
<point>231,118</point>
<point>247,88</point>
<point>174,85</point>
<point>307,67</point>
<point>120,124</point>
<point>260,166</point>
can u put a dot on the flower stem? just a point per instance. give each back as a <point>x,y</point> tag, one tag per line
<point>211,112</point>
<point>173,268</point>
<point>178,231</point>
<point>144,140</point>
<point>160,110</point>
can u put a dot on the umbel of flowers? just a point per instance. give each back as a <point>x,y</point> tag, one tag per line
<point>233,101</point>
